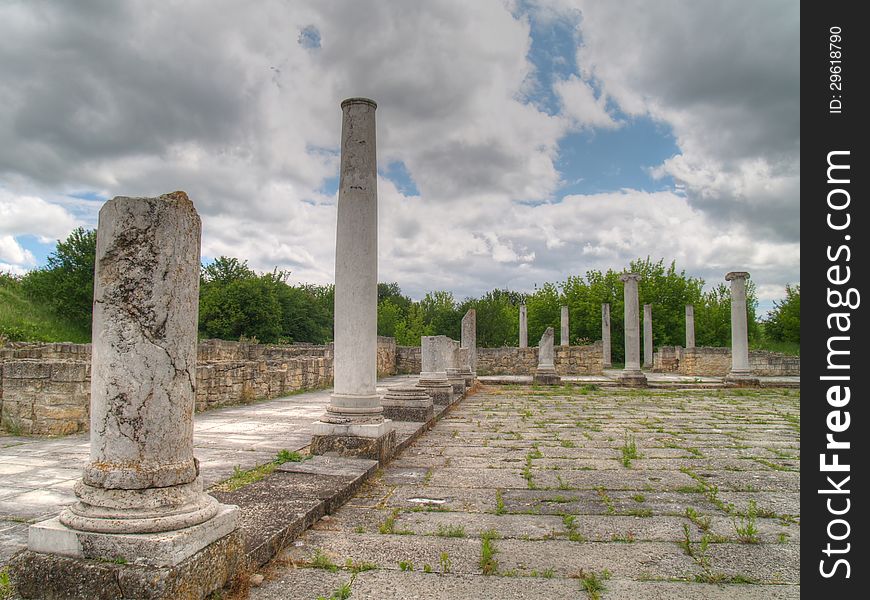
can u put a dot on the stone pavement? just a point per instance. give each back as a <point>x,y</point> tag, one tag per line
<point>572,492</point>
<point>37,474</point>
<point>664,380</point>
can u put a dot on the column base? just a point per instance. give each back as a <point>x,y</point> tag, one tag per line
<point>440,390</point>
<point>408,403</point>
<point>163,549</point>
<point>51,575</point>
<point>632,379</point>
<point>741,379</point>
<point>374,442</point>
<point>546,376</point>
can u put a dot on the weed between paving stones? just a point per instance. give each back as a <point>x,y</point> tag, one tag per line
<point>241,478</point>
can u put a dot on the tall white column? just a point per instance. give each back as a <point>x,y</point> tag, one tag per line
<point>564,330</point>
<point>740,371</point>
<point>647,336</point>
<point>605,336</point>
<point>690,326</point>
<point>632,375</point>
<point>524,327</point>
<point>354,408</point>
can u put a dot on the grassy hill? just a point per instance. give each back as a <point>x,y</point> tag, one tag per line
<point>23,320</point>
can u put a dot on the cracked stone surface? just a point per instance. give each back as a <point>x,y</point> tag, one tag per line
<point>650,493</point>
<point>144,351</point>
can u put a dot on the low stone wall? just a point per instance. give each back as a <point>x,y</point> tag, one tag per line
<point>569,360</point>
<point>717,362</point>
<point>667,359</point>
<point>387,356</point>
<point>409,360</point>
<point>45,388</point>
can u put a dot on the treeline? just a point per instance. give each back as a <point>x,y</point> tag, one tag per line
<point>236,302</point>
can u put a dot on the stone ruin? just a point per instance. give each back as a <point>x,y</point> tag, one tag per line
<point>140,499</point>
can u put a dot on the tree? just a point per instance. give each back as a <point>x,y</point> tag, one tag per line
<point>783,323</point>
<point>544,310</point>
<point>66,284</point>
<point>441,314</point>
<point>497,317</point>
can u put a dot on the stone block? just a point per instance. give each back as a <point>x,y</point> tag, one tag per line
<point>55,576</point>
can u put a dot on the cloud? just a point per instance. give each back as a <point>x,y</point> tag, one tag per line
<point>725,77</point>
<point>581,105</point>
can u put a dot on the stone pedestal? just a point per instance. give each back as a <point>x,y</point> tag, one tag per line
<point>605,336</point>
<point>440,390</point>
<point>456,378</point>
<point>435,352</point>
<point>545,374</point>
<point>468,341</point>
<point>524,327</point>
<point>408,402</point>
<point>647,336</point>
<point>563,329</point>
<point>632,375</point>
<point>354,409</point>
<point>690,326</point>
<point>140,500</point>
<point>740,374</point>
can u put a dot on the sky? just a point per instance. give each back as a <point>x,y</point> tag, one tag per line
<point>519,141</point>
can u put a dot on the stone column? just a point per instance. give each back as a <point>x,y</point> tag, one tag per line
<point>469,340</point>
<point>455,375</point>
<point>563,329</point>
<point>524,327</point>
<point>690,326</point>
<point>605,336</point>
<point>433,377</point>
<point>740,372</point>
<point>632,375</point>
<point>647,336</point>
<point>354,409</point>
<point>545,374</point>
<point>140,498</point>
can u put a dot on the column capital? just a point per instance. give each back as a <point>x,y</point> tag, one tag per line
<point>358,100</point>
<point>630,276</point>
<point>736,275</point>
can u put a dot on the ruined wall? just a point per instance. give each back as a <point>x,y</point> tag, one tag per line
<point>409,360</point>
<point>569,360</point>
<point>717,362</point>
<point>667,359</point>
<point>45,388</point>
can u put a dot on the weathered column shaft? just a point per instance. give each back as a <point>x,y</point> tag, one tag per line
<point>140,500</point>
<point>605,335</point>
<point>690,326</point>
<point>563,330</point>
<point>524,327</point>
<point>632,322</point>
<point>356,266</point>
<point>647,336</point>
<point>739,328</point>
<point>545,373</point>
<point>143,372</point>
<point>469,338</point>
<point>546,352</point>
